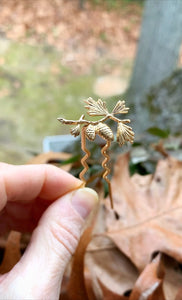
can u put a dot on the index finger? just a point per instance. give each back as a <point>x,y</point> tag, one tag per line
<point>26,183</point>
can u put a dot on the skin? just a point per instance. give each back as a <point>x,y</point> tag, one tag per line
<point>48,202</point>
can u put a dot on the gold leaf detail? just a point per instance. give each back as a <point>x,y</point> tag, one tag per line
<point>90,132</point>
<point>120,108</point>
<point>105,132</point>
<point>124,134</point>
<point>75,130</point>
<point>96,108</point>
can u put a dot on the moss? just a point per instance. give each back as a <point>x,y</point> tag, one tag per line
<point>164,103</point>
<point>38,90</point>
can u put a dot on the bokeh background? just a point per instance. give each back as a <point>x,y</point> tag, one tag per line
<point>54,54</point>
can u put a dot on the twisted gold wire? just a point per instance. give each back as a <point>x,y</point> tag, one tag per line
<point>86,156</point>
<point>107,170</point>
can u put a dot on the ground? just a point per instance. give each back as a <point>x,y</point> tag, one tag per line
<point>51,59</point>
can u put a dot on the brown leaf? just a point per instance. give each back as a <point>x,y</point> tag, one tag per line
<point>64,285</point>
<point>172,279</point>
<point>106,263</point>
<point>12,252</point>
<point>77,289</point>
<point>179,294</point>
<point>109,295</point>
<point>79,42</point>
<point>47,157</point>
<point>149,283</point>
<point>113,269</point>
<point>149,209</point>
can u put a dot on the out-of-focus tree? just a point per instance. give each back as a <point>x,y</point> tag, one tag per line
<point>81,4</point>
<point>158,50</point>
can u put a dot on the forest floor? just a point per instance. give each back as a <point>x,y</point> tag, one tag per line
<point>52,56</point>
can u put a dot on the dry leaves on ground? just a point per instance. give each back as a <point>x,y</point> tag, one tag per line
<point>61,24</point>
<point>12,252</point>
<point>135,252</point>
<point>150,211</point>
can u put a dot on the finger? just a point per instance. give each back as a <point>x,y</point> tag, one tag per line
<point>5,166</point>
<point>25,183</point>
<point>52,245</point>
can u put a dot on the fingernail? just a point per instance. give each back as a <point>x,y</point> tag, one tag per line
<point>84,200</point>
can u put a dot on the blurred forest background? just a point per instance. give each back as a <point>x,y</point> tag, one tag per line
<point>54,54</point>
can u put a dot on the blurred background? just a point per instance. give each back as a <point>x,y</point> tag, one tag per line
<point>54,54</point>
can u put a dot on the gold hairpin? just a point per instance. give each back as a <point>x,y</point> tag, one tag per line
<point>89,130</point>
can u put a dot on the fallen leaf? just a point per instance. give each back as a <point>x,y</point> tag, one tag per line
<point>172,279</point>
<point>149,283</point>
<point>48,157</point>
<point>106,263</point>
<point>111,267</point>
<point>149,210</point>
<point>83,44</point>
<point>4,92</point>
<point>109,295</point>
<point>77,289</point>
<point>179,294</point>
<point>12,252</point>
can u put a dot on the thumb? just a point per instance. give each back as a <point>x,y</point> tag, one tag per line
<point>52,244</point>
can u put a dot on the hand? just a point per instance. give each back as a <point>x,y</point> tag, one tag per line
<point>46,200</point>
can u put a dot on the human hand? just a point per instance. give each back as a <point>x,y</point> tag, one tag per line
<point>43,199</point>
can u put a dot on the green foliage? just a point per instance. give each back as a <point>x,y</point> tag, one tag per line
<point>112,4</point>
<point>142,168</point>
<point>103,37</point>
<point>158,132</point>
<point>106,188</point>
<point>71,160</point>
<point>35,90</point>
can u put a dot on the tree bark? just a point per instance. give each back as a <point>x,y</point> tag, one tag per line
<point>81,4</point>
<point>158,49</point>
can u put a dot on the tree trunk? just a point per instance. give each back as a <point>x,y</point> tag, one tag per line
<point>158,49</point>
<point>81,4</point>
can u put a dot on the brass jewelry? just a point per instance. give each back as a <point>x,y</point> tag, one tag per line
<point>89,130</point>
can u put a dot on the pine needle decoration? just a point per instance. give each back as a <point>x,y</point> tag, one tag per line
<point>89,130</point>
